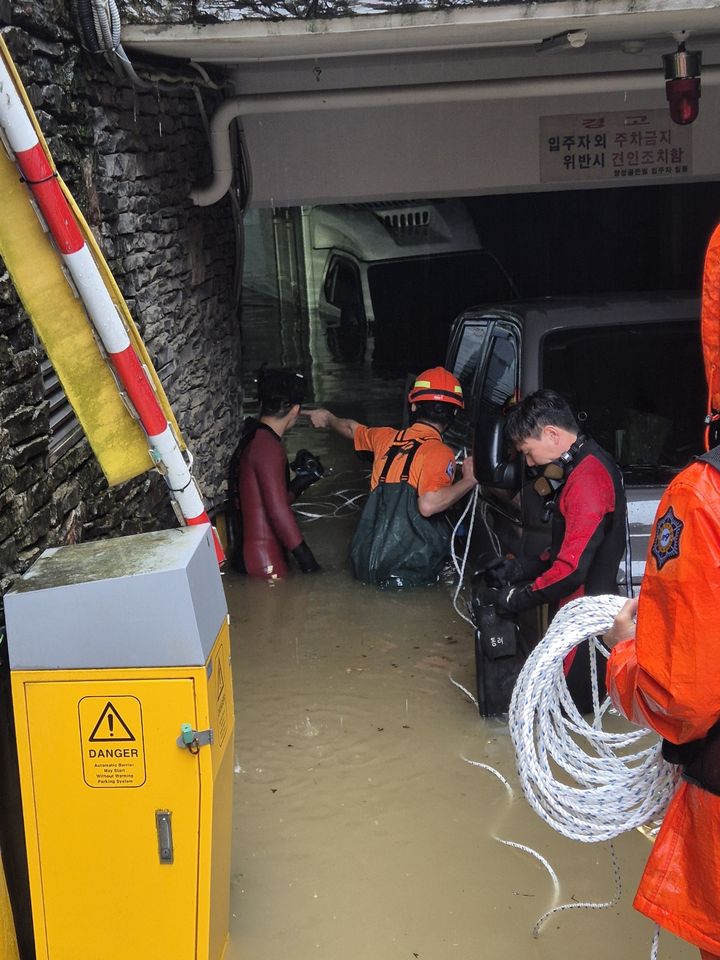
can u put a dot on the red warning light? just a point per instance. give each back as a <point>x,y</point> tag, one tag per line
<point>682,84</point>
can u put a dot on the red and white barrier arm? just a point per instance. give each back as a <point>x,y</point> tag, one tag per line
<point>65,231</point>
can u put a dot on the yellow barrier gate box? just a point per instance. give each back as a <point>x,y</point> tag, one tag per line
<point>122,694</point>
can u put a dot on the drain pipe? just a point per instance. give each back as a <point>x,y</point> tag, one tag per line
<point>461,91</point>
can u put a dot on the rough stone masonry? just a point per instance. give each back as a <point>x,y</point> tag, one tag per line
<point>130,158</point>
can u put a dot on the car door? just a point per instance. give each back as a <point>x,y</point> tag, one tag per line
<point>465,356</point>
<point>342,309</point>
<point>484,354</point>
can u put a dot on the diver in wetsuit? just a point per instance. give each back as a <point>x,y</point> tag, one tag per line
<point>263,528</point>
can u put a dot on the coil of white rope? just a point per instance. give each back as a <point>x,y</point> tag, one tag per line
<point>612,782</point>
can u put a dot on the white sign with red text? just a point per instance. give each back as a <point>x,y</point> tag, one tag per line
<point>623,146</point>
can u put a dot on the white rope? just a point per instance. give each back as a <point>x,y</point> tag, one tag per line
<point>617,783</point>
<point>615,789</point>
<point>585,905</point>
<point>460,567</point>
<point>575,905</point>
<point>464,690</point>
<point>541,859</point>
<point>496,773</point>
<point>514,844</point>
<point>339,503</point>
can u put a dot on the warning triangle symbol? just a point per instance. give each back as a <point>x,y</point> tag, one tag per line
<point>110,727</point>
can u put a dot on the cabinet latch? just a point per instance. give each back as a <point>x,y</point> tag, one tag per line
<point>192,740</point>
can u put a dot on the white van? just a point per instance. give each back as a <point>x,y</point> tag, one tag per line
<point>395,274</point>
<point>632,368</point>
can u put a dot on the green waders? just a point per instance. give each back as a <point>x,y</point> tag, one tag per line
<point>394,545</point>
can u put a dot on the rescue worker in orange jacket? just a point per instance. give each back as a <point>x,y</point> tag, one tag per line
<point>664,673</point>
<point>401,538</point>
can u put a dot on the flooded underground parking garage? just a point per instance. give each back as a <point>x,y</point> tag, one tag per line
<point>361,825</point>
<point>353,192</point>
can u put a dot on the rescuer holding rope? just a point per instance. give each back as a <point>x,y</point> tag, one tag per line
<point>584,495</point>
<point>263,527</point>
<point>402,539</point>
<point>664,673</point>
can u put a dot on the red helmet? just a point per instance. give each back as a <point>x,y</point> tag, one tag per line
<point>437,384</point>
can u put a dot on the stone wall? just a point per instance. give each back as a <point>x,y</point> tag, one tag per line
<point>130,159</point>
<point>223,11</point>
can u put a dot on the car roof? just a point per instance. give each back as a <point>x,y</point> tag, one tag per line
<point>379,232</point>
<point>548,313</point>
<point>544,315</point>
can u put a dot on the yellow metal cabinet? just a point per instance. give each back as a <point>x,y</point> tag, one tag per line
<point>8,941</point>
<point>126,772</point>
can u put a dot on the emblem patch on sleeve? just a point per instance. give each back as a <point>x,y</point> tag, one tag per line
<point>666,545</point>
<point>451,469</point>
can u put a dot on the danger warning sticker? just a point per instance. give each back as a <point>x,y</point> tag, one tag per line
<point>112,741</point>
<point>221,703</point>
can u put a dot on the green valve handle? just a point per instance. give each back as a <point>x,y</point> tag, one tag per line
<point>192,740</point>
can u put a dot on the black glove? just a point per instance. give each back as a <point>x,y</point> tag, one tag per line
<point>308,470</point>
<point>305,559</point>
<point>512,600</point>
<point>502,571</point>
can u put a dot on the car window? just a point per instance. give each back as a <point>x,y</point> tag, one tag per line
<point>469,354</point>
<point>342,285</point>
<point>638,388</point>
<point>416,300</point>
<point>500,379</point>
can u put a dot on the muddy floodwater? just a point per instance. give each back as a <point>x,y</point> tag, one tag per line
<point>361,831</point>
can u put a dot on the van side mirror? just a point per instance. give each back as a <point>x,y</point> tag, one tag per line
<point>493,468</point>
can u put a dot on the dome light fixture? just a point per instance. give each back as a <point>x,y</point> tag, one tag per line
<point>682,83</point>
<point>568,40</point>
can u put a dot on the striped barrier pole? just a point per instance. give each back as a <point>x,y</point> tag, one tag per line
<point>41,178</point>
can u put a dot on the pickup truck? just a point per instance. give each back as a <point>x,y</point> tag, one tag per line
<point>630,365</point>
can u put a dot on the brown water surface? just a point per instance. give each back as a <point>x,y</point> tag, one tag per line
<point>360,830</point>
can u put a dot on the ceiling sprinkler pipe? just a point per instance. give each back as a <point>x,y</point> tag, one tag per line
<point>462,91</point>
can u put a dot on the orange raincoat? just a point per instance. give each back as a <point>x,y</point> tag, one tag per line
<point>668,678</point>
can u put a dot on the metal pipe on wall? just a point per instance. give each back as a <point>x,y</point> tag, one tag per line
<point>461,91</point>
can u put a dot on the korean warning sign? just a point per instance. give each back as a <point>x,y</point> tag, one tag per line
<point>623,146</point>
<point>112,741</point>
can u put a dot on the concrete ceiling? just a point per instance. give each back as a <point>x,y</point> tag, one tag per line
<point>497,28</point>
<point>374,106</point>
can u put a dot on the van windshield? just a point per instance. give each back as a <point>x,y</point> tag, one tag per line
<point>640,389</point>
<point>415,301</point>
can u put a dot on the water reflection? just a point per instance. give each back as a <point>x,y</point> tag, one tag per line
<point>281,335</point>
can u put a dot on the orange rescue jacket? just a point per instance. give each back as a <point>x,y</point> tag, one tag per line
<point>668,678</point>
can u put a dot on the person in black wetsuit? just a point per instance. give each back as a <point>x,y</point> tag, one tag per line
<point>584,488</point>
<point>263,528</point>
